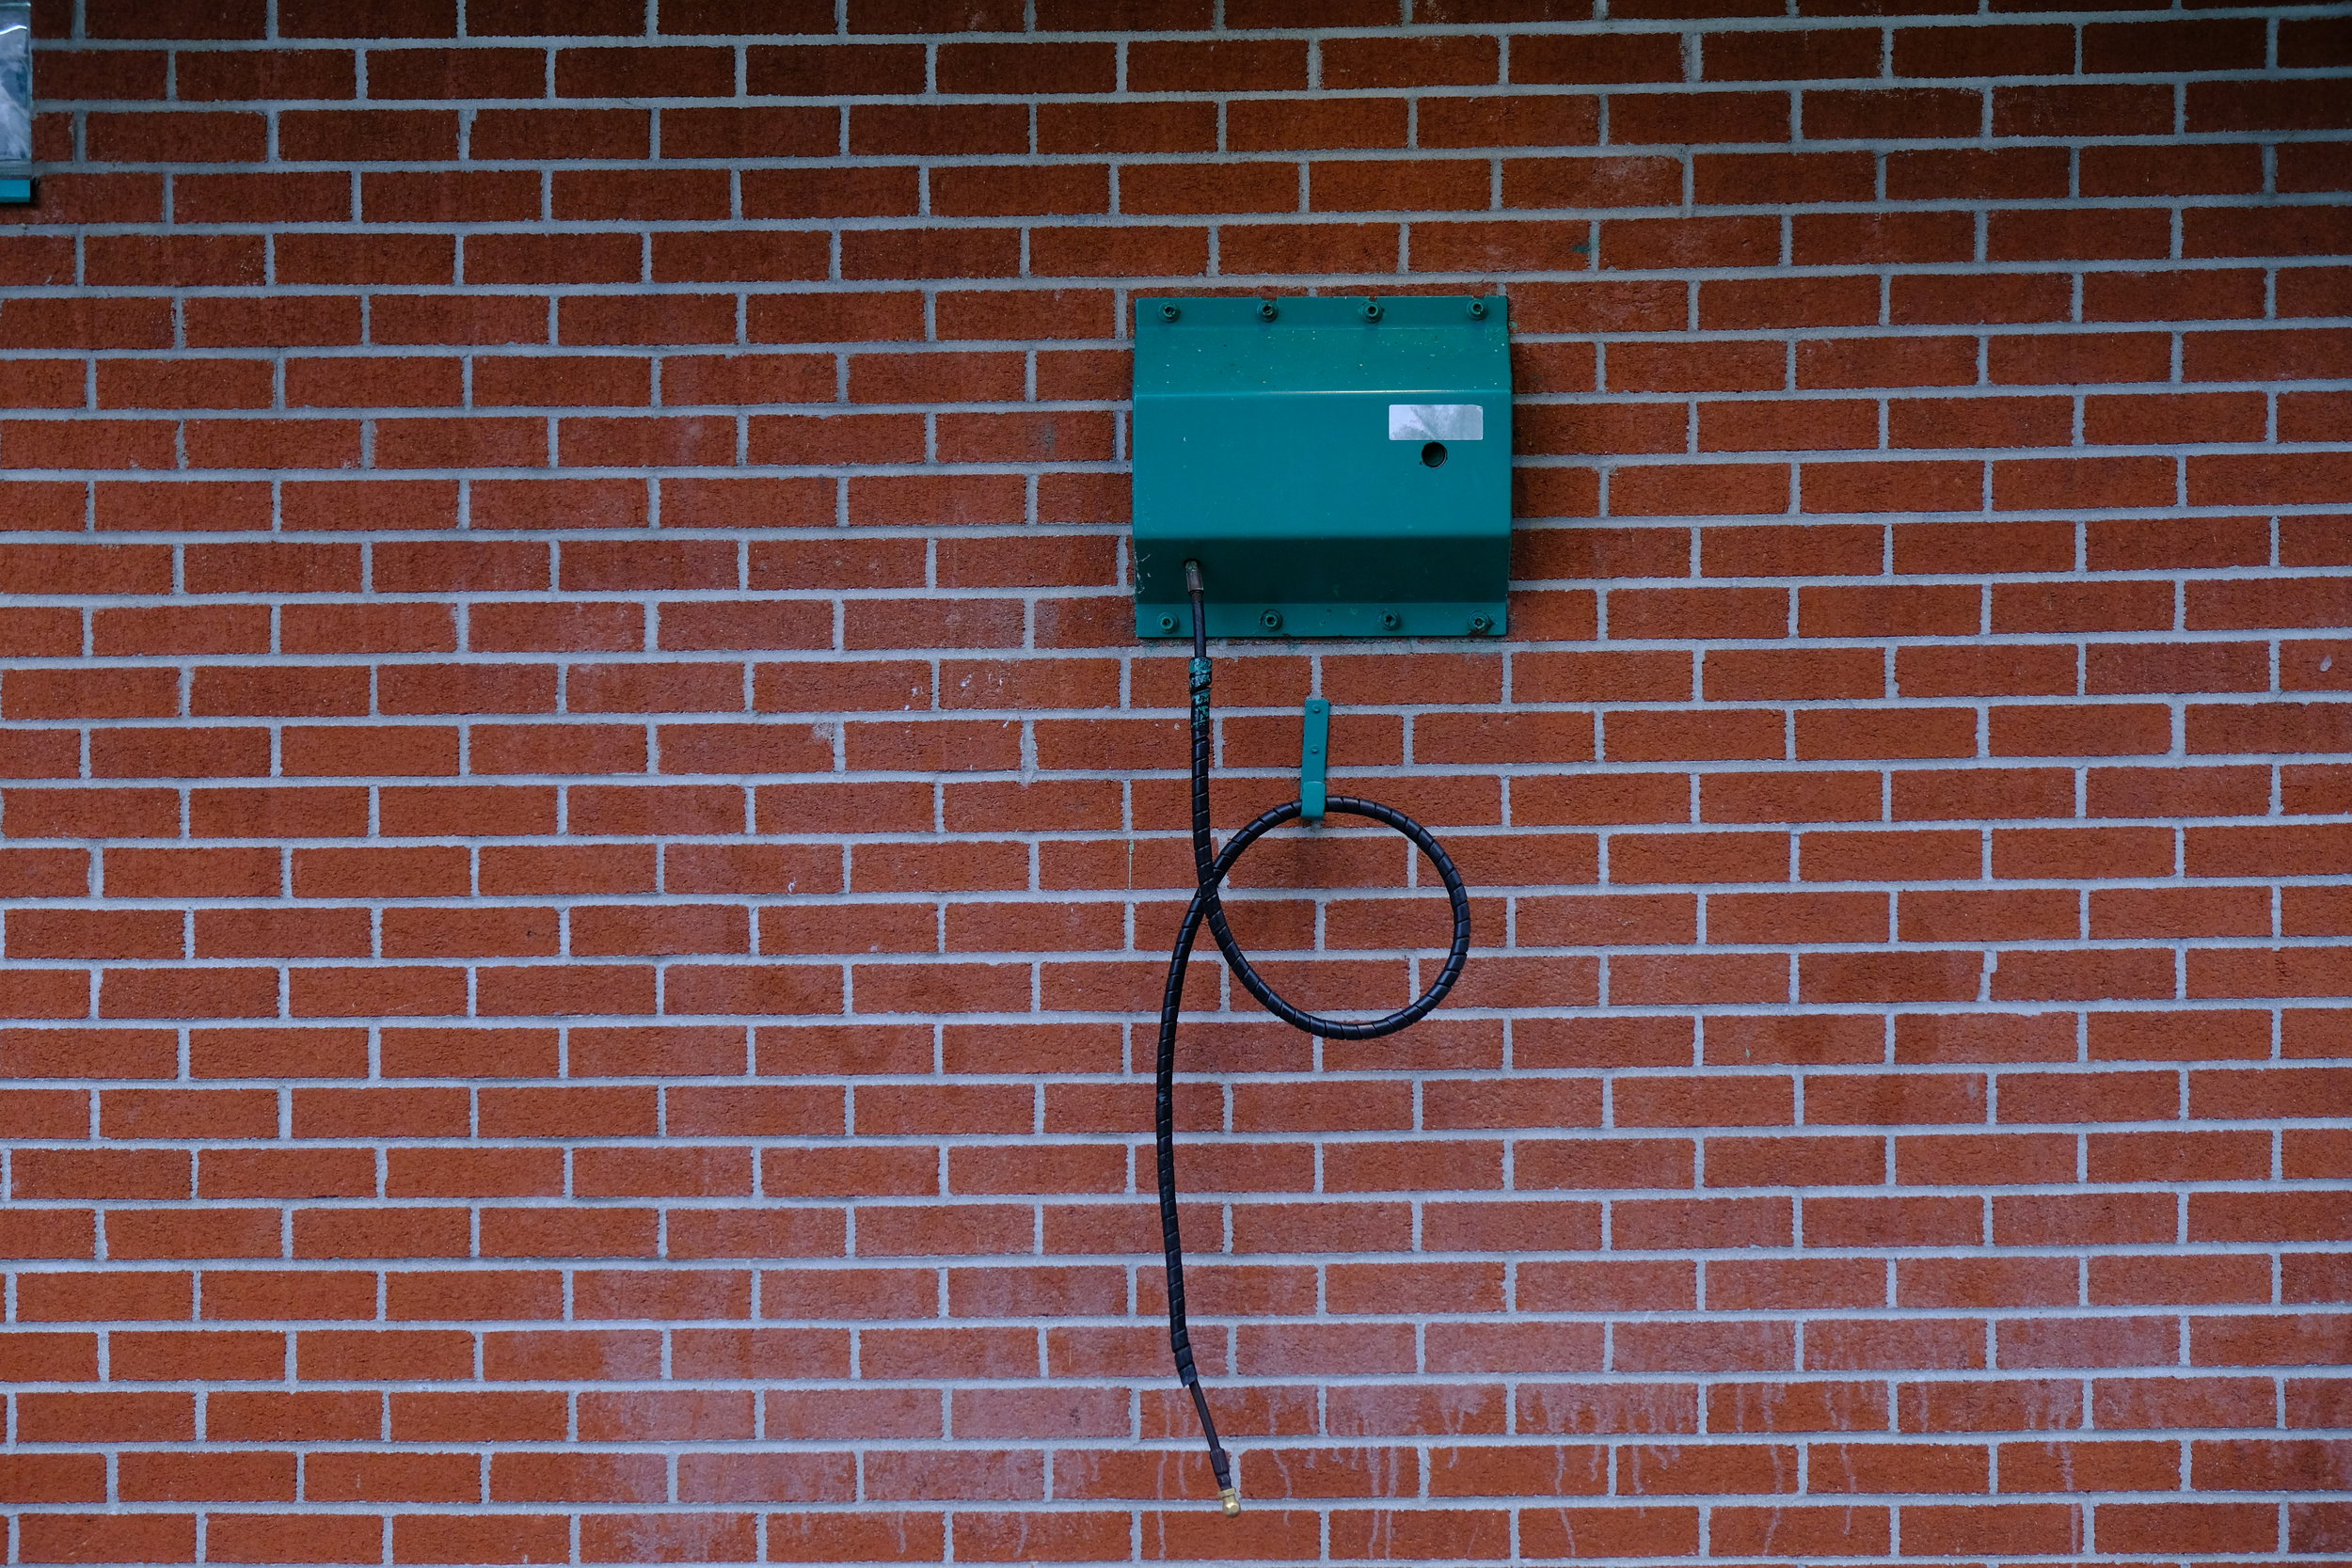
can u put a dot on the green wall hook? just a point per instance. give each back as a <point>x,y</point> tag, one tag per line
<point>1315,755</point>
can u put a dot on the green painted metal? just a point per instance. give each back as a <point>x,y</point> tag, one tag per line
<point>15,193</point>
<point>1314,759</point>
<point>1288,445</point>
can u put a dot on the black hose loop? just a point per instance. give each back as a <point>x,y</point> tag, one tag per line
<point>1212,867</point>
<point>1458,954</point>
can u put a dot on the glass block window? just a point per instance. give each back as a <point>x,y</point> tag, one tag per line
<point>16,88</point>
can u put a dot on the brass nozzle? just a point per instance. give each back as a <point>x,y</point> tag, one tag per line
<point>1231,1501</point>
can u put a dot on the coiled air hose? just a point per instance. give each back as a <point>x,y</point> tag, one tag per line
<point>1211,866</point>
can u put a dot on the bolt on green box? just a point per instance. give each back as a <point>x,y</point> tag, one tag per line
<point>1339,467</point>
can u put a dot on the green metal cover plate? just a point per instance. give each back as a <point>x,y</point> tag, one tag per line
<point>1293,455</point>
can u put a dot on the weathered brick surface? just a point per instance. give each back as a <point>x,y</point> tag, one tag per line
<point>582,841</point>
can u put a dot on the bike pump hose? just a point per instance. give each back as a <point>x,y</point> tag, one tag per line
<point>1211,866</point>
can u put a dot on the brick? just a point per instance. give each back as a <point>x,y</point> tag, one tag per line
<point>1278,125</point>
<point>1026,68</point>
<point>1784,177</point>
<point>1982,298</point>
<point>1547,120</point>
<point>129,73</point>
<point>2215,45</point>
<point>2080,234</point>
<point>1810,54</point>
<point>2246,106</point>
<point>1235,65</point>
<point>1140,127</point>
<point>1908,112</point>
<point>813,193</point>
<point>2028,50</point>
<point>1893,361</point>
<point>2208,170</point>
<point>1389,185</point>
<point>1701,116</point>
<point>2026,173</point>
<point>280,73</point>
<point>723,16</point>
<point>331,135</point>
<point>2301,173</point>
<point>660,319</point>
<point>2073,109</point>
<point>1869,486</point>
<point>532,259</point>
<point>577,733</point>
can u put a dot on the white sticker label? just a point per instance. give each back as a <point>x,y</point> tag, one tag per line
<point>1437,421</point>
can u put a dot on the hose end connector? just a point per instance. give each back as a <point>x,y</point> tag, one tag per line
<point>1192,577</point>
<point>1231,1499</point>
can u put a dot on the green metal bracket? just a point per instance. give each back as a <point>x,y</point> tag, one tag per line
<point>1339,467</point>
<point>16,193</point>
<point>1314,756</point>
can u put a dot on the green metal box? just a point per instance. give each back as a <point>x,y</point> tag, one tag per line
<point>1339,467</point>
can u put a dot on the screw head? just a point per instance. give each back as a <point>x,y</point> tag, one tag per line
<point>1169,312</point>
<point>1371,311</point>
<point>1389,621</point>
<point>1266,310</point>
<point>1271,619</point>
<point>1168,623</point>
<point>1477,309</point>
<point>1479,622</point>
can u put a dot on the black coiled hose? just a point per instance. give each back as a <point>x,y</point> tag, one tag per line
<point>1211,867</point>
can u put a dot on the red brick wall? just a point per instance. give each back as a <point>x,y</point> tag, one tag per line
<point>584,845</point>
